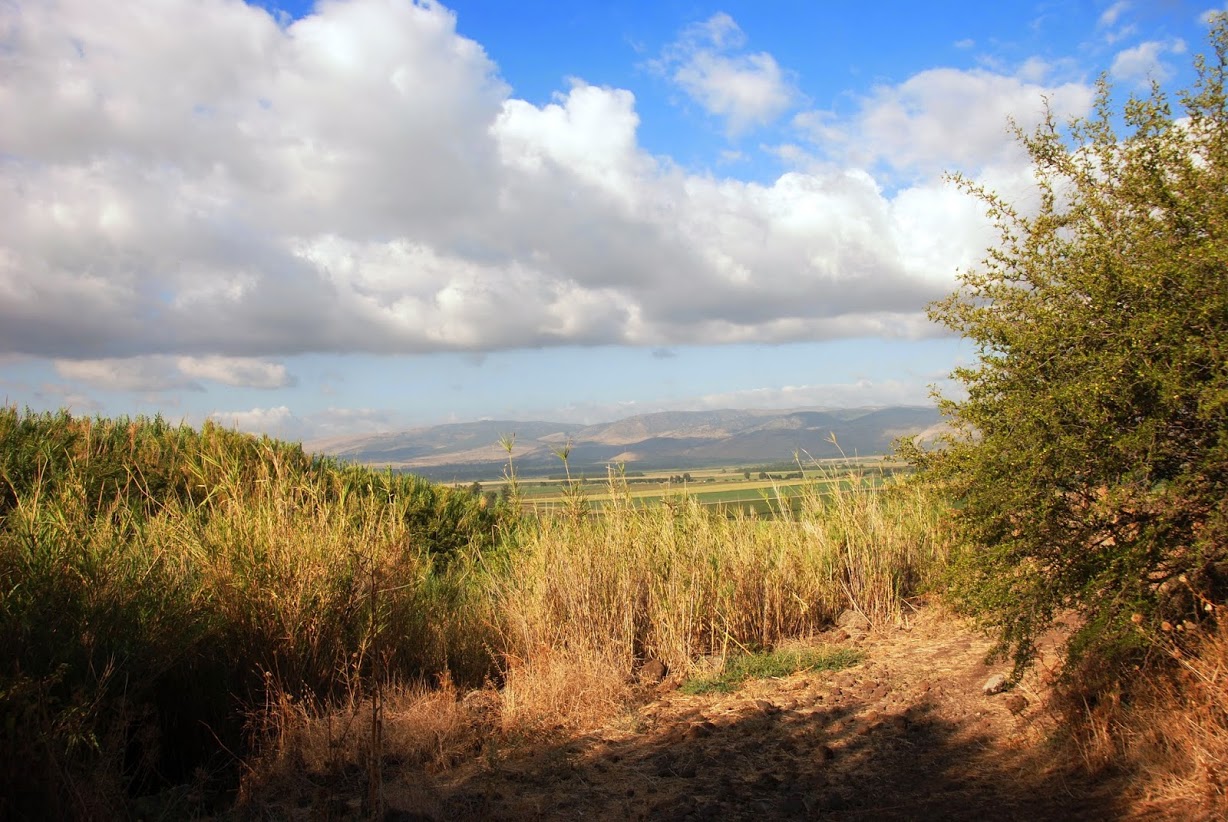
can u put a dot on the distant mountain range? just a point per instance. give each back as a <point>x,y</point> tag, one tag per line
<point>667,440</point>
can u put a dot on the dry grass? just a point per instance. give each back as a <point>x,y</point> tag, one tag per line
<point>560,689</point>
<point>163,587</point>
<point>1162,732</point>
<point>579,601</point>
<point>590,598</point>
<point>1176,734</point>
<point>421,727</point>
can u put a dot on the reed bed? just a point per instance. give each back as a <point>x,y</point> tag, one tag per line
<point>208,608</point>
<point>680,583</point>
<point>161,587</point>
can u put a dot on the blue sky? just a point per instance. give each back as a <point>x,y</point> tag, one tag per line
<point>316,220</point>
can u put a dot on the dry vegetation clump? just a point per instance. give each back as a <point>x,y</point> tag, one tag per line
<point>163,586</point>
<point>322,755</point>
<point>591,598</point>
<point>580,601</point>
<point>1163,732</point>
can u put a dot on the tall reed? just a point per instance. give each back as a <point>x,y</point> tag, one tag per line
<point>678,581</point>
<point>160,585</point>
<point>179,604</point>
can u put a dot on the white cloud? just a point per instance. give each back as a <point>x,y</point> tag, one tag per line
<point>1109,20</point>
<point>746,90</point>
<point>242,372</point>
<point>162,373</point>
<point>947,119</point>
<point>1110,16</point>
<point>279,421</point>
<point>194,195</point>
<point>1142,63</point>
<point>588,133</point>
<point>144,374</point>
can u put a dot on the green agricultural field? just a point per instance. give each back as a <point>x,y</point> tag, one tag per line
<point>727,486</point>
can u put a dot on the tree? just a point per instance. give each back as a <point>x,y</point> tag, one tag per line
<point>1090,454</point>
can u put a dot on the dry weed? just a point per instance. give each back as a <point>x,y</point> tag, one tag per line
<point>556,689</point>
<point>1162,730</point>
<point>1177,732</point>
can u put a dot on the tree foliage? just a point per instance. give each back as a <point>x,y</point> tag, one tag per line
<point>1091,450</point>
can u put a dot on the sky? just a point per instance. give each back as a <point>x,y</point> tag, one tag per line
<point>335,218</point>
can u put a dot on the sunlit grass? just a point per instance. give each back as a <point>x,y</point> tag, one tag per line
<point>779,663</point>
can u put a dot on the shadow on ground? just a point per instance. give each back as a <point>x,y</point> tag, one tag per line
<point>813,758</point>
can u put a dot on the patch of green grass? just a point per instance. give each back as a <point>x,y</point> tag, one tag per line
<point>738,669</point>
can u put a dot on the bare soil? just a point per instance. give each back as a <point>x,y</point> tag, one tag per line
<point>906,734</point>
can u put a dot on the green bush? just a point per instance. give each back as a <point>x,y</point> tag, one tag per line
<point>1091,453</point>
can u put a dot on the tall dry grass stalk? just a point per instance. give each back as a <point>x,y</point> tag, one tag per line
<point>162,590</point>
<point>598,594</point>
<point>1167,736</point>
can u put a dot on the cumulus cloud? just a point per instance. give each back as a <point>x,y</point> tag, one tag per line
<point>193,191</point>
<point>145,374</point>
<point>241,372</point>
<point>278,421</point>
<point>163,373</point>
<point>746,89</point>
<point>1143,63</point>
<point>945,118</point>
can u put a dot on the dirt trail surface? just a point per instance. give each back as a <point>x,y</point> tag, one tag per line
<point>906,734</point>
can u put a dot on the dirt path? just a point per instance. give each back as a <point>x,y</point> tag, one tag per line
<point>905,734</point>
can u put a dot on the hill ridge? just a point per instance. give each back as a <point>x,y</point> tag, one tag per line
<point>665,439</point>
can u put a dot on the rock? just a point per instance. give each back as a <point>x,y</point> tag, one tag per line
<point>996,684</point>
<point>652,672</point>
<point>852,621</point>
